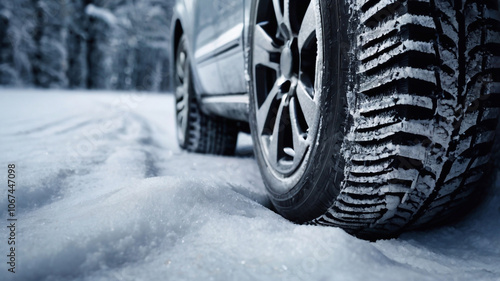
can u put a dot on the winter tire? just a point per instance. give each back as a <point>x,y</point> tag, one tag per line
<point>197,131</point>
<point>376,116</point>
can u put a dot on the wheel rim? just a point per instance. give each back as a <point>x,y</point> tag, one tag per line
<point>182,94</point>
<point>284,59</point>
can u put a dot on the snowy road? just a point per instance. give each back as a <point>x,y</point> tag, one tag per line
<point>103,193</point>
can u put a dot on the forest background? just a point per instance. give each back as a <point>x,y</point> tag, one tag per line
<point>85,44</point>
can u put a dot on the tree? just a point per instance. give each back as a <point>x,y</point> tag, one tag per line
<point>95,44</point>
<point>76,45</point>
<point>100,25</point>
<point>16,42</point>
<point>50,60</point>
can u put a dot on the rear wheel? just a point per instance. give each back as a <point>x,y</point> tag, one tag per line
<point>375,116</point>
<point>197,131</point>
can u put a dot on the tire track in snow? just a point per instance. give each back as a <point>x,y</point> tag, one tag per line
<point>47,126</point>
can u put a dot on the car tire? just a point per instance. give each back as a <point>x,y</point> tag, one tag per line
<point>381,116</point>
<point>196,131</point>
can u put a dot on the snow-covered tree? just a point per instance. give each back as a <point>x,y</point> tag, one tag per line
<point>7,71</point>
<point>97,44</point>
<point>76,45</point>
<point>143,43</point>
<point>100,27</point>
<point>16,42</point>
<point>50,60</point>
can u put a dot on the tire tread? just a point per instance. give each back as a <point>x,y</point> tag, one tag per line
<point>403,169</point>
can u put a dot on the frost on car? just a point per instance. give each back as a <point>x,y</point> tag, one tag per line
<point>376,116</point>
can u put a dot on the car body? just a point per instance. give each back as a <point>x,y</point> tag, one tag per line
<point>216,32</point>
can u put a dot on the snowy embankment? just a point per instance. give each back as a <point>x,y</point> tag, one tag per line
<point>103,193</point>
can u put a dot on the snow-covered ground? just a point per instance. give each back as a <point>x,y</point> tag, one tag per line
<point>104,193</point>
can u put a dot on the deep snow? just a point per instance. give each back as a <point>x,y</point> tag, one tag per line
<point>104,193</point>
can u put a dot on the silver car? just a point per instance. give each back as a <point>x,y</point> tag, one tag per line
<point>377,116</point>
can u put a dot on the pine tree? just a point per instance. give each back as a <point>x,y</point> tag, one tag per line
<point>100,25</point>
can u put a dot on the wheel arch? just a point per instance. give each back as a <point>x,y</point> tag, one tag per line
<point>181,27</point>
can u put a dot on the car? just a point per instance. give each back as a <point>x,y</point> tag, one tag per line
<point>376,116</point>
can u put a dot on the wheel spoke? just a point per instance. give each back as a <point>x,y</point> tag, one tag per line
<point>264,47</point>
<point>283,18</point>
<point>306,102</point>
<point>274,145</point>
<point>286,18</point>
<point>263,60</point>
<point>298,136</point>
<point>264,41</point>
<point>179,92</point>
<point>307,28</point>
<point>277,11</point>
<point>180,119</point>
<point>267,108</point>
<point>181,104</point>
<point>181,65</point>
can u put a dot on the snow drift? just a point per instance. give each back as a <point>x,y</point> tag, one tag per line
<point>105,194</point>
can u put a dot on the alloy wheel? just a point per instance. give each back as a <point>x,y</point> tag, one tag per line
<point>284,63</point>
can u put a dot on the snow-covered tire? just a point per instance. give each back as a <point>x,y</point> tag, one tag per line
<point>406,97</point>
<point>197,131</point>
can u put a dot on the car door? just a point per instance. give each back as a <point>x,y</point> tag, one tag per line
<point>205,35</point>
<point>230,47</point>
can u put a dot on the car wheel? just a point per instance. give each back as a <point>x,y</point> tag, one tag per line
<point>197,131</point>
<point>374,116</point>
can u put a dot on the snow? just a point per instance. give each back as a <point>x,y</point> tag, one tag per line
<point>104,193</point>
<point>101,13</point>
